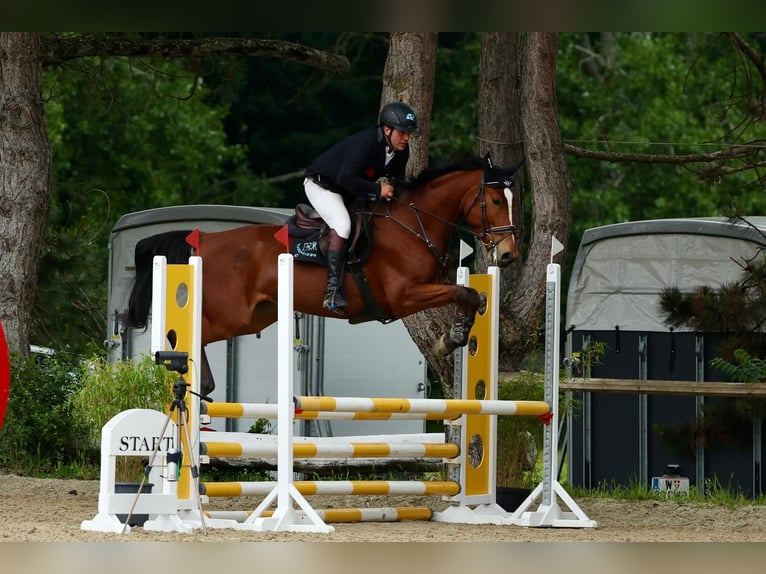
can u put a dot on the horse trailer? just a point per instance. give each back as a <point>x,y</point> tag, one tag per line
<point>332,358</point>
<point>613,298</point>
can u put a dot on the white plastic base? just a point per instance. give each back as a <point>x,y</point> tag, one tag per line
<point>551,515</point>
<point>168,523</point>
<point>482,514</point>
<point>103,522</point>
<point>285,517</point>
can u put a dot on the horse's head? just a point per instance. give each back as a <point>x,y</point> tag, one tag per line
<point>490,213</point>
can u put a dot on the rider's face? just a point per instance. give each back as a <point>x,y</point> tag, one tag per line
<point>398,138</point>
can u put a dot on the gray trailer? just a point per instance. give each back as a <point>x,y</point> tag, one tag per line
<point>333,358</point>
<point>613,296</point>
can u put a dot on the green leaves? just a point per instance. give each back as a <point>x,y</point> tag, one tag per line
<point>38,433</point>
<point>108,388</point>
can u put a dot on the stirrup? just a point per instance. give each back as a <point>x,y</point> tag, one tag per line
<point>334,301</point>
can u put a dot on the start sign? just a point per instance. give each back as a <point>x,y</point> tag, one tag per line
<point>671,485</point>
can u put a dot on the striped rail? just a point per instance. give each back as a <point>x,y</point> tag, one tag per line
<point>333,487</point>
<point>432,406</point>
<point>340,515</point>
<point>269,411</point>
<point>331,450</point>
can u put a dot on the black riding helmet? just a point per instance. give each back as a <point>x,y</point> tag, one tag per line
<point>400,116</point>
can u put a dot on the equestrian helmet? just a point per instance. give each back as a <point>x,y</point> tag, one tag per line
<point>400,116</point>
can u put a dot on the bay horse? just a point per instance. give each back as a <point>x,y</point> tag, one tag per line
<point>405,271</point>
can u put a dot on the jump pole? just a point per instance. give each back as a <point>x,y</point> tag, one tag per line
<point>549,512</point>
<point>476,367</point>
<point>285,517</point>
<point>364,408</point>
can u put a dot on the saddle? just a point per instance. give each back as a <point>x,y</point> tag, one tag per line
<point>308,236</point>
<point>307,239</point>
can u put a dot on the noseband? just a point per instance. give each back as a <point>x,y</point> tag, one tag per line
<point>487,232</point>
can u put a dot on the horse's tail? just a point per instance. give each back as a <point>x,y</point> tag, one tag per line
<point>171,244</point>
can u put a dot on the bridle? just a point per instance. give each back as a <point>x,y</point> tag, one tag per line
<point>486,235</point>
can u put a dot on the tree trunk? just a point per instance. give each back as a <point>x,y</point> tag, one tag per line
<point>499,93</point>
<point>551,198</point>
<point>500,133</point>
<point>25,154</point>
<point>409,77</point>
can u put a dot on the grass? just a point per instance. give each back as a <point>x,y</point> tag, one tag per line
<point>44,469</point>
<point>715,493</point>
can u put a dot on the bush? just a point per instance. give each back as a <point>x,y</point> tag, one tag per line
<point>519,438</point>
<point>108,388</point>
<point>39,435</point>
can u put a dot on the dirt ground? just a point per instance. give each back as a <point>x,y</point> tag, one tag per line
<point>51,510</point>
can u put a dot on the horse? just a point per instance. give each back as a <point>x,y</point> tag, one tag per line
<point>404,271</point>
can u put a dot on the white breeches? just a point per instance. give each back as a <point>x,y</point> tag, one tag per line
<point>330,206</point>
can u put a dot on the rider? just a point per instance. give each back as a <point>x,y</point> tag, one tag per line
<point>361,165</point>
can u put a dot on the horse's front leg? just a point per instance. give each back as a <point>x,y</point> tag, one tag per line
<point>428,296</point>
<point>467,302</point>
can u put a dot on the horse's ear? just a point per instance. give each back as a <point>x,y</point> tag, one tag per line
<point>487,160</point>
<point>516,166</point>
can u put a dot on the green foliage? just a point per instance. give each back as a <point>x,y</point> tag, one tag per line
<point>261,426</point>
<point>581,362</point>
<point>737,310</point>
<point>715,492</point>
<point>108,388</point>
<point>39,435</point>
<point>454,125</point>
<point>519,438</point>
<point>127,135</point>
<point>652,93</point>
<point>286,113</point>
<point>729,495</point>
<point>746,368</point>
<point>634,490</point>
<point>210,473</point>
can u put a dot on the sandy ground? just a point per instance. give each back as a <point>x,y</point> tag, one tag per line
<point>50,510</point>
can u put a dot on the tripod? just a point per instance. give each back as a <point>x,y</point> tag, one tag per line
<point>175,361</point>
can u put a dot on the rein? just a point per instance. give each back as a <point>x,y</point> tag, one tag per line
<point>440,255</point>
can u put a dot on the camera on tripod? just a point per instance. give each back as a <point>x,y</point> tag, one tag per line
<point>177,361</point>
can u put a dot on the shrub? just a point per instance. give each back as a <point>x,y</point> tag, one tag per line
<point>519,438</point>
<point>39,434</point>
<point>108,388</point>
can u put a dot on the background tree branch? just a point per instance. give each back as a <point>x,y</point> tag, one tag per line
<point>60,49</point>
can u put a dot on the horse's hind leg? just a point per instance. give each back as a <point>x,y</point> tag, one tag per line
<point>206,380</point>
<point>467,301</point>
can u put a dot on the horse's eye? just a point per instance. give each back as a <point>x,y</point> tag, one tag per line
<point>497,201</point>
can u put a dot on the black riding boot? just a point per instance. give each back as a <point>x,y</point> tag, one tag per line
<point>333,294</point>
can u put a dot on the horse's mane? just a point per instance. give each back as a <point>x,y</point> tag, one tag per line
<point>465,162</point>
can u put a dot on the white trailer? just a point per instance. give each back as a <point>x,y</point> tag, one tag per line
<point>333,358</point>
